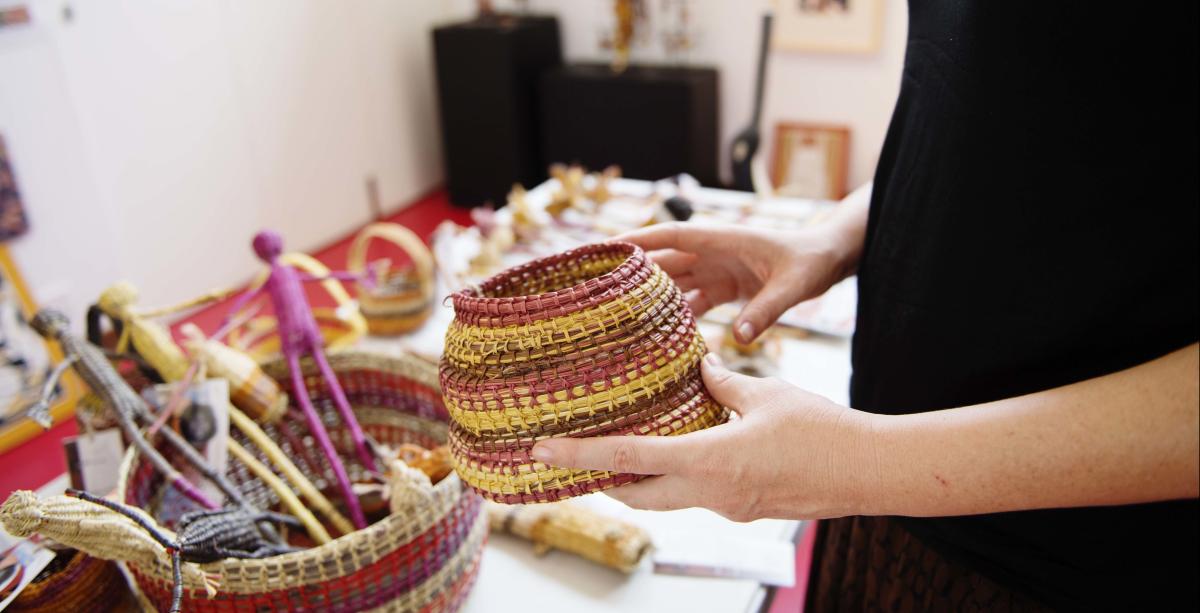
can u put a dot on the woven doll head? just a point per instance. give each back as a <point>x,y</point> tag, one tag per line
<point>20,515</point>
<point>268,244</point>
<point>50,323</point>
<point>118,298</point>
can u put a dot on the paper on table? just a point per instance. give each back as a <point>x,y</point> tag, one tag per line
<point>769,562</point>
<point>32,557</point>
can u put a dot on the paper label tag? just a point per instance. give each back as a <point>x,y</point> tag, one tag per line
<point>94,460</point>
<point>768,562</point>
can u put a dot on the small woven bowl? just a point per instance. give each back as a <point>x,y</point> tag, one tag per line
<point>596,341</point>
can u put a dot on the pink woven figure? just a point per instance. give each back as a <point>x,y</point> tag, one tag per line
<point>299,335</point>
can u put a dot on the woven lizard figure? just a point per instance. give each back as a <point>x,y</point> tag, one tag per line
<point>99,532</point>
<point>128,408</point>
<point>205,536</point>
<point>299,336</point>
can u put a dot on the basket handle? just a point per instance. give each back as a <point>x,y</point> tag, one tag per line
<point>402,237</point>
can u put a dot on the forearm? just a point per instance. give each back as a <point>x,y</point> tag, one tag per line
<point>848,226</point>
<point>1124,438</point>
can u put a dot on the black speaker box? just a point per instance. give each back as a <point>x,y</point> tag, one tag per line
<point>654,122</point>
<point>487,82</point>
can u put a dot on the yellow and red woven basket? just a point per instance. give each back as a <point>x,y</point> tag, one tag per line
<point>596,341</point>
<point>424,560</point>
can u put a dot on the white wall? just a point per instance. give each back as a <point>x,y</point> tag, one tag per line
<point>855,90</point>
<point>152,139</point>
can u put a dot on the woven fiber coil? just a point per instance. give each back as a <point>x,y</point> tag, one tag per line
<point>423,560</point>
<point>74,582</point>
<point>596,341</point>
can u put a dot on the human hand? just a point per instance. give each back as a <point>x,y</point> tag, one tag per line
<point>772,270</point>
<point>790,454</point>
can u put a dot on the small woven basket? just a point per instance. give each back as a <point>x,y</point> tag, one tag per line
<point>403,299</point>
<point>76,582</point>
<point>425,560</point>
<point>596,341</point>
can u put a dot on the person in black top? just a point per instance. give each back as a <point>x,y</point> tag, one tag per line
<point>1026,422</point>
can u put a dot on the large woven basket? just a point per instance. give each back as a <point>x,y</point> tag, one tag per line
<point>596,341</point>
<point>422,561</point>
<point>74,582</point>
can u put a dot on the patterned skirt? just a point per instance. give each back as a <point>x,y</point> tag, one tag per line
<point>873,564</point>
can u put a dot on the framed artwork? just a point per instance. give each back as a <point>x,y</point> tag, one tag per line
<point>830,26</point>
<point>12,213</point>
<point>25,361</point>
<point>810,160</point>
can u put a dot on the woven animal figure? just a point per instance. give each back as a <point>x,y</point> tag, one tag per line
<point>94,368</point>
<point>204,536</point>
<point>100,532</point>
<point>149,338</point>
<point>568,527</point>
<point>299,336</point>
<point>600,192</point>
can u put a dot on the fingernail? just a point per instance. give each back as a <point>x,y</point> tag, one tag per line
<point>542,453</point>
<point>713,359</point>
<point>746,331</point>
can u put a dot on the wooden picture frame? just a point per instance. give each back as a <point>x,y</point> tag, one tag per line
<point>828,26</point>
<point>810,160</point>
<point>16,308</point>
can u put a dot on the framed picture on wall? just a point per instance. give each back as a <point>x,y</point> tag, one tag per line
<point>810,160</point>
<point>829,26</point>
<point>25,361</point>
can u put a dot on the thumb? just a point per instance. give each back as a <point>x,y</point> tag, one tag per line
<point>763,309</point>
<point>730,389</point>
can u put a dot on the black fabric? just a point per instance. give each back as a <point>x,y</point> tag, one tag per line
<point>1034,223</point>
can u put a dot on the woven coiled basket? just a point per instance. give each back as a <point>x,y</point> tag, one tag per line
<point>596,341</point>
<point>425,560</point>
<point>75,582</point>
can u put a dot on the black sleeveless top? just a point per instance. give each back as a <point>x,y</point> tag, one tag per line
<point>1034,223</point>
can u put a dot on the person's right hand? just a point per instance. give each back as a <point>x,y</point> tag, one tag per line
<point>770,269</point>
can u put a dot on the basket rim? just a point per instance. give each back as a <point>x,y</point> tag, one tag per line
<point>475,301</point>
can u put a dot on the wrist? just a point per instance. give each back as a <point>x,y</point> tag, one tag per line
<point>845,245</point>
<point>868,494</point>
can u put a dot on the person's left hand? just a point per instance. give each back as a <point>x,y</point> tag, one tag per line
<point>787,454</point>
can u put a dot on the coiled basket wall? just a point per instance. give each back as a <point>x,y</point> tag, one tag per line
<point>425,560</point>
<point>596,341</point>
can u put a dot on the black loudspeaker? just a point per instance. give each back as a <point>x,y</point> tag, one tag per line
<point>654,122</point>
<point>487,82</point>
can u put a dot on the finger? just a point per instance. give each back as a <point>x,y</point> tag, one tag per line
<point>763,309</point>
<point>674,262</point>
<point>686,282</point>
<point>640,455</point>
<point>698,301</point>
<point>729,388</point>
<point>673,235</point>
<point>666,493</point>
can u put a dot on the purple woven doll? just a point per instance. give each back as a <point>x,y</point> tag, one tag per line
<point>300,336</point>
